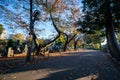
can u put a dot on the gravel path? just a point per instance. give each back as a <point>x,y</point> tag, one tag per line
<point>80,65</point>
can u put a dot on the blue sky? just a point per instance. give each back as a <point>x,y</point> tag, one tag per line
<point>47,29</point>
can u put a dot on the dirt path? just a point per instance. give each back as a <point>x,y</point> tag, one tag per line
<point>81,65</point>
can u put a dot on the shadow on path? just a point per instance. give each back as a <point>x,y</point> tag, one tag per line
<point>72,66</point>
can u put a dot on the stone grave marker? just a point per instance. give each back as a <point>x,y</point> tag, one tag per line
<point>26,49</point>
<point>10,52</point>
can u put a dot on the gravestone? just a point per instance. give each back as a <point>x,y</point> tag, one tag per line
<point>10,52</point>
<point>26,49</point>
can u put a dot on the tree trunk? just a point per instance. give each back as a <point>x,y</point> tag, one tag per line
<point>100,46</point>
<point>75,44</point>
<point>54,25</point>
<point>28,57</point>
<point>110,34</point>
<point>68,41</point>
<point>39,47</point>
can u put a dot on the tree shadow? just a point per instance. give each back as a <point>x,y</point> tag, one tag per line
<point>75,73</point>
<point>74,66</point>
<point>42,64</point>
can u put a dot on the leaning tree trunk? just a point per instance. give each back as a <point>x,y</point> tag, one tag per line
<point>58,31</point>
<point>68,41</point>
<point>110,33</point>
<point>54,25</point>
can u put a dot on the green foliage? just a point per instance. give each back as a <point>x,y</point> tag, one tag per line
<point>10,43</point>
<point>40,41</point>
<point>94,15</point>
<point>103,15</point>
<point>80,43</point>
<point>14,44</point>
<point>93,38</point>
<point>4,42</point>
<point>96,46</point>
<point>1,28</point>
<point>60,40</point>
<point>17,36</point>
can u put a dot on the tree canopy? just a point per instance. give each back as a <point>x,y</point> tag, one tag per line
<point>102,15</point>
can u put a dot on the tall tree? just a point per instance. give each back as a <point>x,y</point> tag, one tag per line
<point>28,57</point>
<point>100,15</point>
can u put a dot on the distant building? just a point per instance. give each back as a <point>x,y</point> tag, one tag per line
<point>3,35</point>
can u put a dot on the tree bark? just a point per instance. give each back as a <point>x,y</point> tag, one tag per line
<point>100,45</point>
<point>68,41</point>
<point>28,57</point>
<point>75,44</point>
<point>110,33</point>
